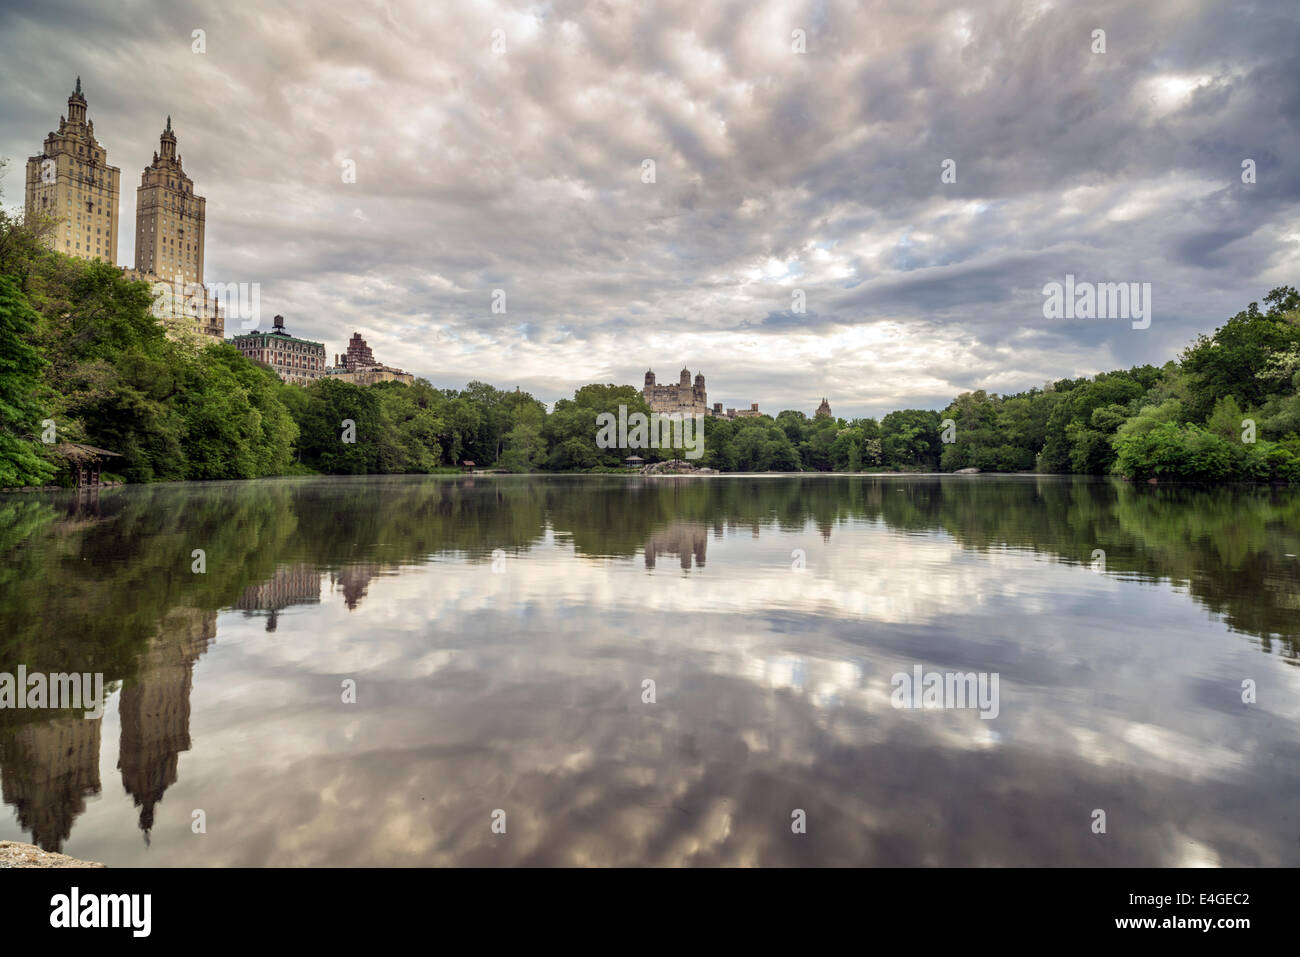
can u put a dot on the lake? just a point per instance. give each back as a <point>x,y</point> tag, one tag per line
<point>614,670</point>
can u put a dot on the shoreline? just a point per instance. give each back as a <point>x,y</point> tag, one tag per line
<point>637,473</point>
<point>18,854</point>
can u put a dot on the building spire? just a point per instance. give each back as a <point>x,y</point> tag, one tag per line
<point>77,105</point>
<point>169,122</point>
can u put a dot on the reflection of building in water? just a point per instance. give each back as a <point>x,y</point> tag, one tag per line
<point>681,539</point>
<point>353,580</point>
<point>155,709</point>
<point>300,585</point>
<point>290,585</point>
<point>48,770</point>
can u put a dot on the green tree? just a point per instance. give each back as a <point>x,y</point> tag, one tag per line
<point>21,368</point>
<point>910,438</point>
<point>1238,358</point>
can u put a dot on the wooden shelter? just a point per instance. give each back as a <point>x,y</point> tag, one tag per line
<point>85,461</point>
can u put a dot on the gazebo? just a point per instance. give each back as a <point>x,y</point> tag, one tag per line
<point>85,461</point>
<point>634,460</point>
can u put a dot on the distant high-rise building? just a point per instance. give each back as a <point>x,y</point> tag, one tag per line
<point>72,183</point>
<point>169,231</point>
<point>359,355</point>
<point>169,217</point>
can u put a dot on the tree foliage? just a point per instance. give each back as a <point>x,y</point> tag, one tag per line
<point>80,346</point>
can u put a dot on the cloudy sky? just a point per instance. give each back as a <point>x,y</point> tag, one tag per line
<point>502,146</point>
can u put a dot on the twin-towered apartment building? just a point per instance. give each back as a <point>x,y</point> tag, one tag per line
<point>74,193</point>
<point>72,186</point>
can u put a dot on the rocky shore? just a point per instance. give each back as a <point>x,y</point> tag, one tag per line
<point>675,467</point>
<point>15,854</point>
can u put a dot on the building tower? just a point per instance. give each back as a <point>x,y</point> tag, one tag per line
<point>359,355</point>
<point>169,218</point>
<point>71,183</point>
<point>823,410</point>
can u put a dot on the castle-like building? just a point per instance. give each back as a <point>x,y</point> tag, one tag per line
<point>71,186</point>
<point>687,399</point>
<point>683,398</point>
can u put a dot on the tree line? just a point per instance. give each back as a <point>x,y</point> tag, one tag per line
<point>80,347</point>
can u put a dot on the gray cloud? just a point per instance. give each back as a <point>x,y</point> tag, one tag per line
<point>774,171</point>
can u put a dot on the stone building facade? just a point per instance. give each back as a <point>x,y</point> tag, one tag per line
<point>823,410</point>
<point>169,217</point>
<point>169,230</point>
<point>371,375</point>
<point>685,398</point>
<point>750,413</point>
<point>72,183</point>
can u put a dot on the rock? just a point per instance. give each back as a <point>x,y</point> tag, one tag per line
<point>17,854</point>
<point>966,472</point>
<point>674,467</point>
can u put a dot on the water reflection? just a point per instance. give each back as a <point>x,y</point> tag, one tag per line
<point>297,584</point>
<point>155,710</point>
<point>500,631</point>
<point>681,539</point>
<point>48,770</point>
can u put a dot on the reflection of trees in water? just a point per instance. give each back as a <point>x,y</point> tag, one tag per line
<point>86,591</point>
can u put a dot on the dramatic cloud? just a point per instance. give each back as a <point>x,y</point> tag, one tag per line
<point>775,171</point>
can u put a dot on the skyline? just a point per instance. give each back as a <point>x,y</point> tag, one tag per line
<point>775,171</point>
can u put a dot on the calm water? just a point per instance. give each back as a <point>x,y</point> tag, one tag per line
<point>499,631</point>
